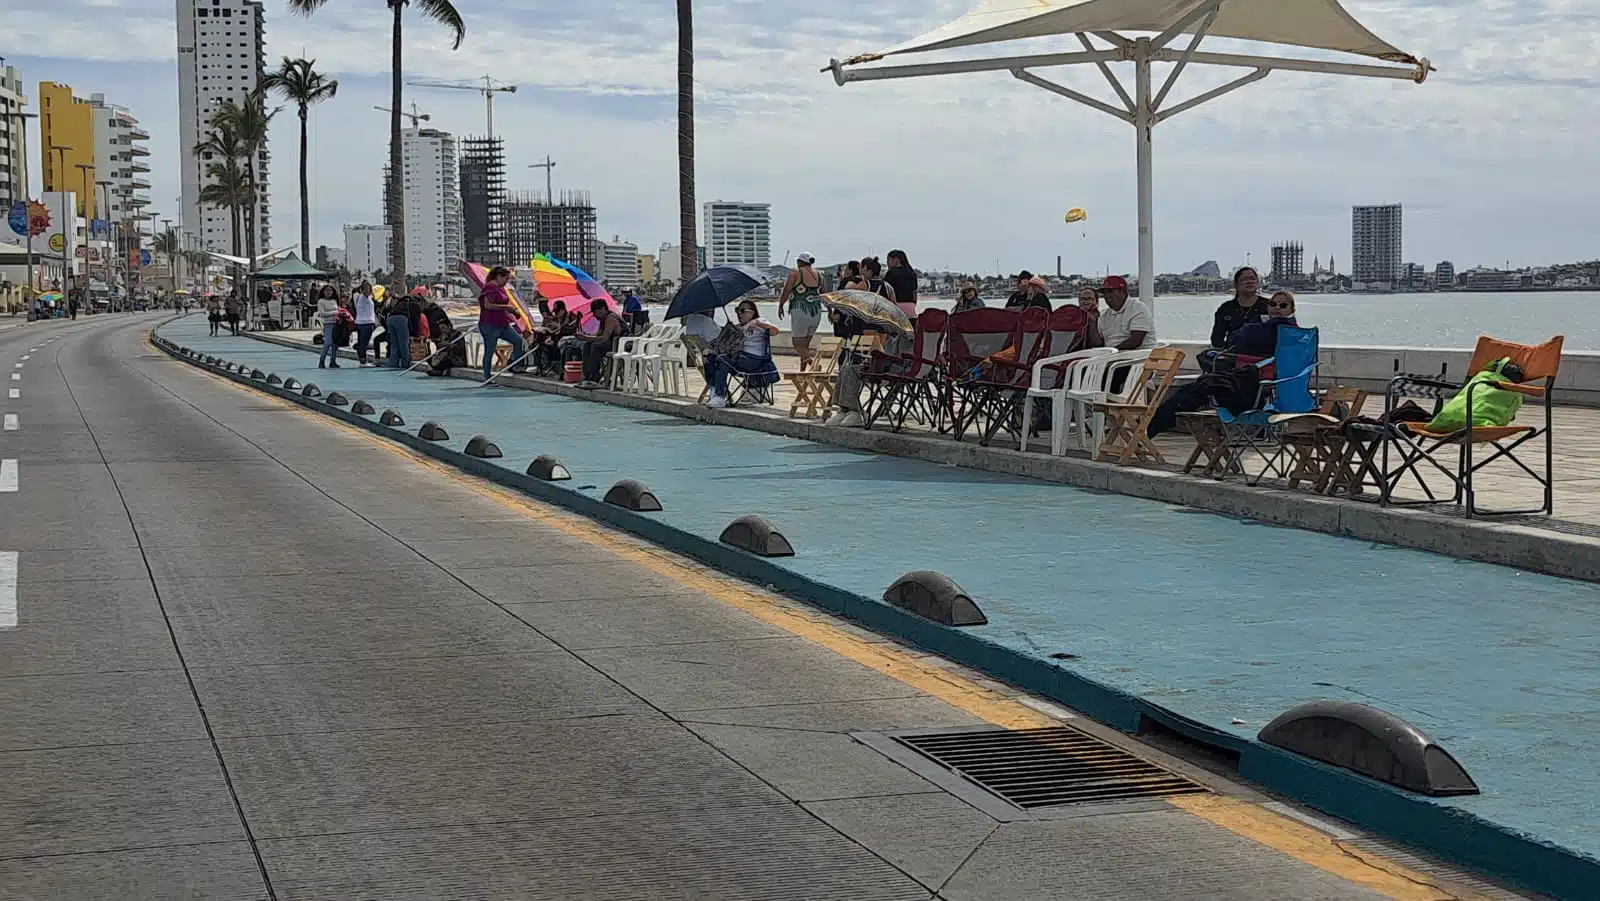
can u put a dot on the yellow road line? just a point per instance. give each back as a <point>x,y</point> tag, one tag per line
<point>1283,834</point>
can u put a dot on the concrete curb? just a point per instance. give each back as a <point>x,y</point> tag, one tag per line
<point>1524,547</point>
<point>1445,830</point>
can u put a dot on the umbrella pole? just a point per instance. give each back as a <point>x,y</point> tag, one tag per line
<point>509,366</point>
<point>459,336</point>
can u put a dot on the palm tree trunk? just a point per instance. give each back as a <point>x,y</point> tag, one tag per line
<point>238,275</point>
<point>688,237</point>
<point>397,212</point>
<point>250,234</point>
<point>305,194</point>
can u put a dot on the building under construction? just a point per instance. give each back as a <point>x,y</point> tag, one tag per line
<point>564,229</point>
<point>1288,265</point>
<point>483,197</point>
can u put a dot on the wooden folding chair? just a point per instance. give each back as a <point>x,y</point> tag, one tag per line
<point>1127,424</point>
<point>1313,440</point>
<point>813,384</point>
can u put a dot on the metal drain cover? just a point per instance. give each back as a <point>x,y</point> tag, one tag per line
<point>1043,768</point>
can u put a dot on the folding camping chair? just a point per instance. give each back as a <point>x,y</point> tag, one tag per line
<point>1279,399</point>
<point>813,387</point>
<point>1415,444</point>
<point>1126,436</point>
<point>905,386</point>
<point>971,337</point>
<point>1001,387</point>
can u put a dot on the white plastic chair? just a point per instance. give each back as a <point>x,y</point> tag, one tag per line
<point>1080,400</point>
<point>662,361</point>
<point>624,374</point>
<point>1053,388</point>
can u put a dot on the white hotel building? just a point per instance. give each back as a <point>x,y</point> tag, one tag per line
<point>432,202</point>
<point>738,234</point>
<point>221,56</point>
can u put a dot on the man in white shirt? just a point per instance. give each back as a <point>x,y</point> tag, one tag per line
<point>1125,323</point>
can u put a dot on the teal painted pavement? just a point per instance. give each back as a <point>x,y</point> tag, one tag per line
<point>1219,621</point>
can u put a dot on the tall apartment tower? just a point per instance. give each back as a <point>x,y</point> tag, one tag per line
<point>738,233</point>
<point>119,158</point>
<point>13,164</point>
<point>432,198</point>
<point>483,197</point>
<point>1375,247</point>
<point>564,229</point>
<point>1288,264</point>
<point>221,56</point>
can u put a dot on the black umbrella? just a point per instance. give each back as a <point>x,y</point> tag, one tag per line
<point>715,287</point>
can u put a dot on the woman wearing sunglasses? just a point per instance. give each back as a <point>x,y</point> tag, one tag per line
<point>1260,339</point>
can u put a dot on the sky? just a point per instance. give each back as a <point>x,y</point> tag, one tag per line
<point>1492,156</point>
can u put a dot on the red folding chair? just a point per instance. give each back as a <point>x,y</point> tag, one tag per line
<point>971,337</point>
<point>899,387</point>
<point>996,388</point>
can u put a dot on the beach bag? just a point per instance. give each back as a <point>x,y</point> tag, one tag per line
<point>1491,406</point>
<point>729,341</point>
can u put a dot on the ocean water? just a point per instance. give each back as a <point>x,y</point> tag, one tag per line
<point>1451,320</point>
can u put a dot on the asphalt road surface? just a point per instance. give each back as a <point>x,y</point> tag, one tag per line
<point>258,655</point>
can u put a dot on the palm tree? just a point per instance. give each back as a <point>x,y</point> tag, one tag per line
<point>688,237</point>
<point>167,243</point>
<point>249,123</point>
<point>444,12</point>
<point>228,186</point>
<point>302,85</point>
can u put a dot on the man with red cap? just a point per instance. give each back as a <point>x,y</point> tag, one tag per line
<point>1125,323</point>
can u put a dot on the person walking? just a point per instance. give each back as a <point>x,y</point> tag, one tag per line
<point>497,316</point>
<point>366,320</point>
<point>328,312</point>
<point>232,307</point>
<point>802,294</point>
<point>213,313</point>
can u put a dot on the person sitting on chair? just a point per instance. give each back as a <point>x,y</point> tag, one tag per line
<point>597,346</point>
<point>452,350</point>
<point>754,356</point>
<point>1235,387</point>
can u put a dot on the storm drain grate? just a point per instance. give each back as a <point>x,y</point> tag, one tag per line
<point>1034,768</point>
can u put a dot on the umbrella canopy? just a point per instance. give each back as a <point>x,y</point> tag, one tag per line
<point>560,280</point>
<point>478,274</point>
<point>868,307</point>
<point>290,267</point>
<point>50,296</point>
<point>715,287</point>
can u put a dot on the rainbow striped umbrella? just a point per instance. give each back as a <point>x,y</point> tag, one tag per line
<point>560,280</point>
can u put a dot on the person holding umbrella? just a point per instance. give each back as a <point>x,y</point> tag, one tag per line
<point>496,320</point>
<point>754,355</point>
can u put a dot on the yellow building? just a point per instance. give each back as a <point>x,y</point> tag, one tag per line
<point>647,268</point>
<point>66,121</point>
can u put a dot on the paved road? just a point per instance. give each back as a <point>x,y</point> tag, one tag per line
<point>261,656</point>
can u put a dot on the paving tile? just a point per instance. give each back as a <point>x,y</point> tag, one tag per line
<point>96,709</point>
<point>742,674</point>
<point>928,836</point>
<point>812,766</point>
<point>668,619</point>
<point>243,637</point>
<point>309,784</point>
<point>379,587</point>
<point>405,693</point>
<point>773,852</point>
<point>99,645</point>
<point>213,872</point>
<point>568,582</point>
<point>109,797</point>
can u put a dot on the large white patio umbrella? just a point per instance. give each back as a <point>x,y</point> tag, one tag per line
<point>1313,24</point>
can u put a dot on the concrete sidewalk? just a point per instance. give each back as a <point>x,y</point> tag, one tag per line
<point>1124,607</point>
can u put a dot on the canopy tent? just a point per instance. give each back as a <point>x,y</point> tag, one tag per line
<point>290,267</point>
<point>1313,24</point>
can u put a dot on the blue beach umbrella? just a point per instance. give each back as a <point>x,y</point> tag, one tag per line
<point>715,287</point>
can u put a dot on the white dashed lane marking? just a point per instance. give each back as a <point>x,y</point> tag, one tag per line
<point>11,422</point>
<point>15,393</point>
<point>8,589</point>
<point>8,476</point>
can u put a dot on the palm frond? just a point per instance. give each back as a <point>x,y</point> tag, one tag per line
<point>445,13</point>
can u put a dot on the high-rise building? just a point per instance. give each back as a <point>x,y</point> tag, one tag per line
<point>1444,276</point>
<point>564,229</point>
<point>738,233</point>
<point>221,57</point>
<point>432,199</point>
<point>119,157</point>
<point>617,263</point>
<point>366,249</point>
<point>13,162</point>
<point>1288,264</point>
<point>1375,247</point>
<point>67,138</point>
<point>483,199</point>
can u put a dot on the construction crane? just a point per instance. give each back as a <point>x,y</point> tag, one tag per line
<point>548,166</point>
<point>488,88</point>
<point>416,115</point>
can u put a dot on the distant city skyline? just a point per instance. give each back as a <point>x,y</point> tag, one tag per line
<point>964,173</point>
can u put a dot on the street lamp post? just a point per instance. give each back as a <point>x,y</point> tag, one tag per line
<point>87,203</point>
<point>111,234</point>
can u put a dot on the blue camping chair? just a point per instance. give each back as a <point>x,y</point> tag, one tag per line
<point>1279,400</point>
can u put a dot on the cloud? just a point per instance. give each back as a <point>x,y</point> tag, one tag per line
<point>1489,153</point>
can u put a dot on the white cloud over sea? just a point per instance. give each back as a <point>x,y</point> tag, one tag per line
<point>1492,156</point>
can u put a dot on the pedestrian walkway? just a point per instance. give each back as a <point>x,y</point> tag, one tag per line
<point>1205,619</point>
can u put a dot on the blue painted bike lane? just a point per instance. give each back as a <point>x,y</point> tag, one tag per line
<point>1121,606</point>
